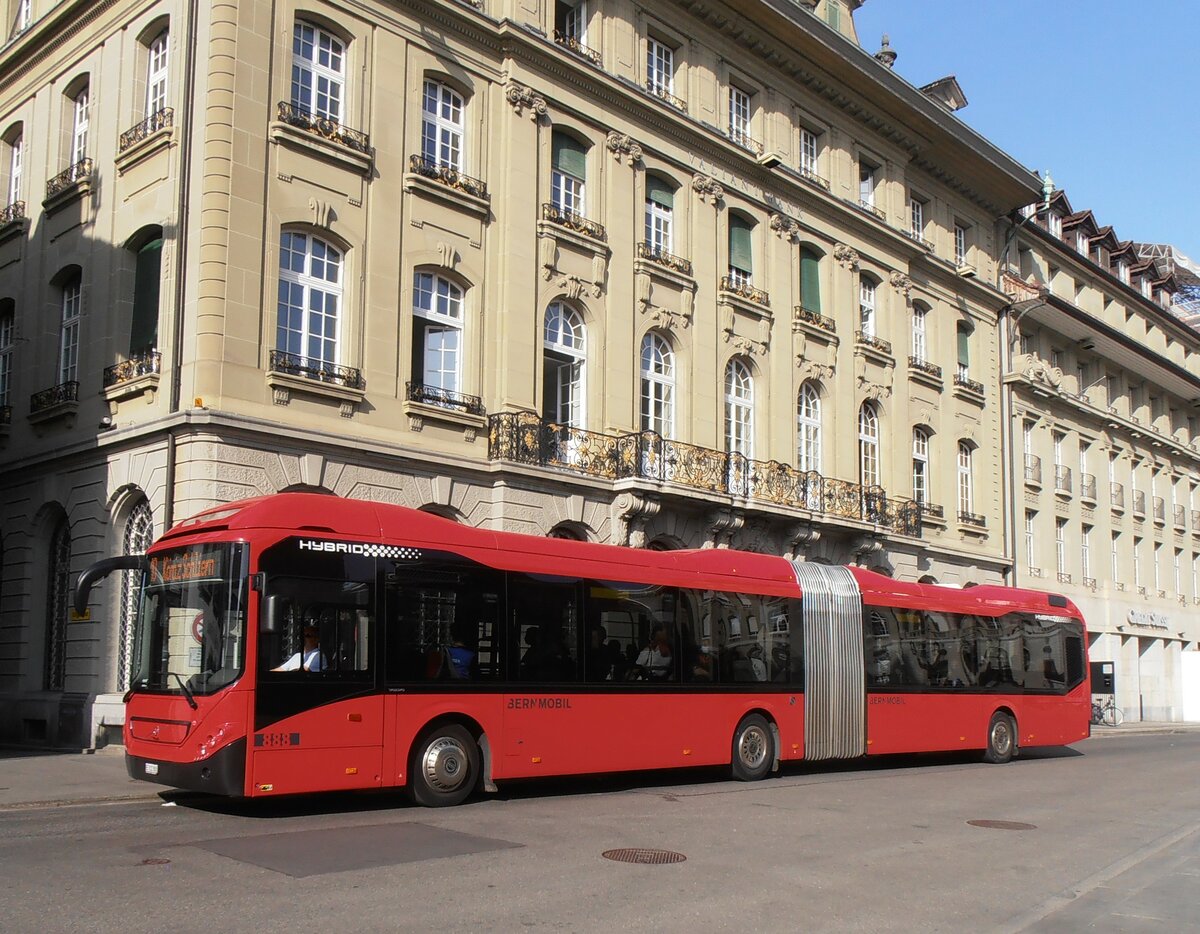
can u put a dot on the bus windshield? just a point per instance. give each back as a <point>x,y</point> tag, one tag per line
<point>191,626</point>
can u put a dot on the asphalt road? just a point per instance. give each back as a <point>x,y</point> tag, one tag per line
<point>1111,842</point>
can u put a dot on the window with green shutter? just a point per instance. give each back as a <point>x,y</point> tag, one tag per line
<point>568,155</point>
<point>741,252</point>
<point>659,192</point>
<point>810,279</point>
<point>143,330</point>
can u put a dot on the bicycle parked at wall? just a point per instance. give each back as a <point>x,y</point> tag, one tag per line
<point>1106,712</point>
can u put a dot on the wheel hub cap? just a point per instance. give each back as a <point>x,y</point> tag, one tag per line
<point>445,764</point>
<point>752,748</point>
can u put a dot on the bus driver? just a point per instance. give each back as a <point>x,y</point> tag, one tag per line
<point>310,657</point>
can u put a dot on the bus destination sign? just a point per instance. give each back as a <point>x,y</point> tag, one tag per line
<point>191,564</point>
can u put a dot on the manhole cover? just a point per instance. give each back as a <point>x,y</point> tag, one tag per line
<point>1002,824</point>
<point>155,861</point>
<point>649,857</point>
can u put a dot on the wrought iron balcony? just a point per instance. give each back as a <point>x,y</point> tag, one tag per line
<point>573,44</point>
<point>924,366</point>
<point>870,208</point>
<point>1141,589</point>
<point>1034,572</point>
<point>815,318</point>
<point>735,285</point>
<point>1116,495</point>
<point>573,221</point>
<point>5,415</point>
<point>319,370</point>
<point>1121,586</point>
<point>142,365</point>
<point>1139,503</point>
<point>932,510</point>
<point>12,213</point>
<point>875,343</point>
<point>55,395</point>
<point>917,238</point>
<point>663,94</point>
<point>813,178</point>
<point>447,175</point>
<point>972,519</point>
<point>444,398</point>
<point>655,254</point>
<point>1062,478</point>
<point>961,379</point>
<point>159,120</point>
<point>1064,577</point>
<point>1162,594</point>
<point>1090,583</point>
<point>327,128</point>
<point>1033,469</point>
<point>526,438</point>
<point>1160,510</point>
<point>1179,516</point>
<point>1087,486</point>
<point>81,171</point>
<point>746,141</point>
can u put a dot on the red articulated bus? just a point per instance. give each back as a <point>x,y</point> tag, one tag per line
<point>300,643</point>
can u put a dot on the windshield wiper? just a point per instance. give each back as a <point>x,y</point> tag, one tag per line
<point>187,692</point>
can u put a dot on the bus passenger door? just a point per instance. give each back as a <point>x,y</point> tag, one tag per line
<point>318,718</point>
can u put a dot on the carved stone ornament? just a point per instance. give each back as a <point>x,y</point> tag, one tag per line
<point>901,283</point>
<point>873,390</point>
<point>744,344</point>
<point>708,189</point>
<point>323,214</point>
<point>810,369</point>
<point>635,511</point>
<point>1039,371</point>
<point>623,148</point>
<point>447,256</point>
<point>846,256</point>
<point>723,524</point>
<point>280,395</point>
<point>786,228</point>
<point>522,99</point>
<point>572,286</point>
<point>667,319</point>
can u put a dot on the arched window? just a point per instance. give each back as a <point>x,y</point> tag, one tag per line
<point>442,126</point>
<point>14,159</point>
<point>660,209</point>
<point>808,429</point>
<point>310,298</point>
<point>658,385</point>
<point>920,338</point>
<point>71,304</point>
<point>741,252</point>
<point>139,534</point>
<point>7,329</point>
<point>920,457</point>
<point>571,21</point>
<point>868,445</point>
<point>57,590</point>
<point>966,491</point>
<point>318,71</point>
<point>147,282</point>
<point>810,279</point>
<point>80,121</point>
<point>568,173</point>
<point>739,409</point>
<point>156,74</point>
<point>866,306</point>
<point>564,357</point>
<point>437,335</point>
<point>963,334</point>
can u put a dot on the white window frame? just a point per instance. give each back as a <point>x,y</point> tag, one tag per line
<point>568,193</point>
<point>810,150</point>
<point>966,480</point>
<point>868,446</point>
<point>920,338</point>
<point>866,305</point>
<point>1030,538</point>
<point>660,234</point>
<point>739,409</point>
<point>961,249</point>
<point>1137,562</point>
<point>1054,224</point>
<point>1060,545</point>
<point>442,304</point>
<point>657,370</point>
<point>575,22</point>
<point>920,456</point>
<point>157,71</point>
<point>24,16</point>
<point>312,272</point>
<point>866,183</point>
<point>660,67</point>
<point>79,125</point>
<point>318,69</point>
<point>68,343</point>
<point>443,122</point>
<point>565,338</point>
<point>16,156</point>
<point>916,216</point>
<point>740,113</point>
<point>808,429</point>
<point>7,327</point>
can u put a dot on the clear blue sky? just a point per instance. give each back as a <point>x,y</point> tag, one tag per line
<point>1103,93</point>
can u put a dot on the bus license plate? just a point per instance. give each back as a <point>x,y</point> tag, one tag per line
<point>151,768</point>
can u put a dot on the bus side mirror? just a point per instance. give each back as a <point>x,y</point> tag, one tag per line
<point>101,569</point>
<point>272,606</point>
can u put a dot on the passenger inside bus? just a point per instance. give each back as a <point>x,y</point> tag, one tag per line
<point>310,657</point>
<point>655,660</point>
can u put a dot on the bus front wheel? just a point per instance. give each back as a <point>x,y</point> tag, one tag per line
<point>1001,738</point>
<point>444,768</point>
<point>753,748</point>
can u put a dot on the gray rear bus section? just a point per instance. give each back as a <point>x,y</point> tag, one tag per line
<point>835,722</point>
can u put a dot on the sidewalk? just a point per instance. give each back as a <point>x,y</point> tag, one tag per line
<point>35,778</point>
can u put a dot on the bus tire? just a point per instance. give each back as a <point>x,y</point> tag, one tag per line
<point>444,768</point>
<point>753,748</point>
<point>1001,739</point>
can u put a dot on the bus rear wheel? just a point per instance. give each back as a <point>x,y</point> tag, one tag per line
<point>444,768</point>
<point>1001,739</point>
<point>753,748</point>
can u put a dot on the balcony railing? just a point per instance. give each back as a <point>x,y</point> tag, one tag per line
<point>526,438</point>
<point>444,398</point>
<point>1141,589</point>
<point>72,175</point>
<point>1064,577</point>
<point>1035,572</point>
<point>875,343</point>
<point>1121,586</point>
<point>961,379</point>
<point>815,318</point>
<point>1116,495</point>
<point>1087,486</point>
<point>736,286</point>
<point>1033,469</point>
<point>1062,478</point>
<point>1160,510</point>
<point>1089,583</point>
<point>306,368</point>
<point>447,175</point>
<point>924,366</point>
<point>746,141</point>
<point>325,127</point>
<point>1179,516</point>
<point>871,209</point>
<point>159,120</point>
<point>663,94</point>
<point>932,510</point>
<point>1139,503</point>
<point>972,519</point>
<point>917,238</point>
<point>573,221</point>
<point>142,365</point>
<point>55,395</point>
<point>12,213</point>
<point>655,254</point>
<point>813,178</point>
<point>572,43</point>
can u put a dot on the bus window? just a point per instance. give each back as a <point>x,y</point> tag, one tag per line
<point>641,629</point>
<point>544,616</point>
<point>881,634</point>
